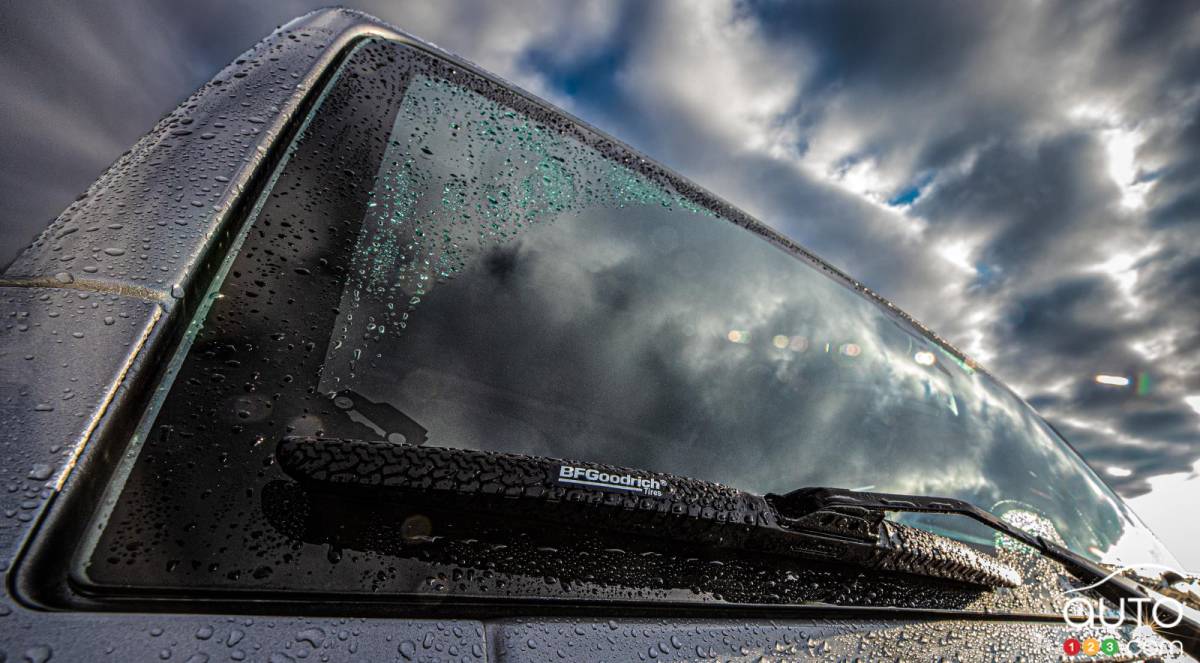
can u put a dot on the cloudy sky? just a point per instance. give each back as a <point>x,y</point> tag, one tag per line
<point>1023,177</point>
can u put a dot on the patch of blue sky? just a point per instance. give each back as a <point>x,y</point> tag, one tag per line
<point>910,194</point>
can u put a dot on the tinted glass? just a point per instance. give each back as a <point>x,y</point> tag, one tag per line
<point>443,263</point>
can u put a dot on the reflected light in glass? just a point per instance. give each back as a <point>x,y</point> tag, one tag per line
<point>780,341</point>
<point>1144,384</point>
<point>924,358</point>
<point>1114,380</point>
<point>738,336</point>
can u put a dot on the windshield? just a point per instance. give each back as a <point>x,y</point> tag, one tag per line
<point>443,263</point>
<point>514,291</point>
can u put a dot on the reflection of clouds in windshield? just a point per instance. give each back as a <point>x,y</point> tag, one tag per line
<point>584,321</point>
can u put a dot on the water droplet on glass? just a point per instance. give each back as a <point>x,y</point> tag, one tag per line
<point>38,654</point>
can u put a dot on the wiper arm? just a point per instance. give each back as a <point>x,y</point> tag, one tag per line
<point>1115,587</point>
<point>819,524</point>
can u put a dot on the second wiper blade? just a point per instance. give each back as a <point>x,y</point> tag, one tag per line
<point>621,500</point>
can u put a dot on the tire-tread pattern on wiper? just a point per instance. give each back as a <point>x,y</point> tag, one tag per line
<point>808,524</point>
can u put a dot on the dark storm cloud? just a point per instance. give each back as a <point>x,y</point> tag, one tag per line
<point>1061,318</point>
<point>1024,177</point>
<point>1178,180</point>
<point>883,46</point>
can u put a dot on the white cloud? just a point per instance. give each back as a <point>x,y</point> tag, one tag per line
<point>707,64</point>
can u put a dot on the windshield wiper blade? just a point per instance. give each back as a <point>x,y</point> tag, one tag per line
<point>817,524</point>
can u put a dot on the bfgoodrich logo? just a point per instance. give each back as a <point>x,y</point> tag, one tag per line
<point>586,476</point>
